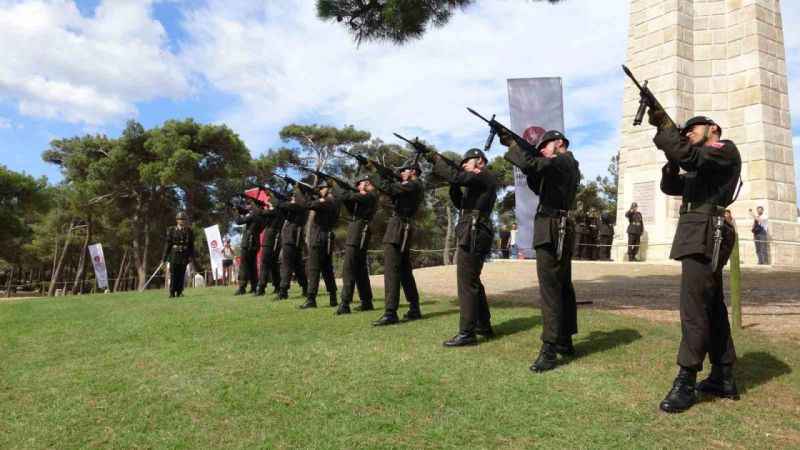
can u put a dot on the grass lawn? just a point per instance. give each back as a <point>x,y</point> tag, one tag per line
<point>217,371</point>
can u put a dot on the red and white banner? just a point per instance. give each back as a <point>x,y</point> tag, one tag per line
<point>536,105</point>
<point>99,263</point>
<point>214,250</point>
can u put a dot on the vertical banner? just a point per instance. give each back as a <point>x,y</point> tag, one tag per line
<point>99,263</point>
<point>214,250</point>
<point>536,105</point>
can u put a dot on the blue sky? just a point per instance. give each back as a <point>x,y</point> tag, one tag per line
<point>89,66</point>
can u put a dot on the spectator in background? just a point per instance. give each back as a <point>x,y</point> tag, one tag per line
<point>505,238</point>
<point>635,231</point>
<point>729,218</point>
<point>227,262</point>
<point>512,241</point>
<point>760,228</point>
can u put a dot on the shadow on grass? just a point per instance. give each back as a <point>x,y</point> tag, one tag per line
<point>433,315</point>
<point>514,326</point>
<point>757,368</point>
<point>601,341</point>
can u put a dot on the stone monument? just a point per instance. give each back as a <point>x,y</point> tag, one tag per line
<point>725,59</point>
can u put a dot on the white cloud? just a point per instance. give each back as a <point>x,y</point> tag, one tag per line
<point>4,123</point>
<point>85,69</point>
<point>284,64</point>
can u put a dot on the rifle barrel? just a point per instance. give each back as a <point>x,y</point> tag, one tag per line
<point>476,113</point>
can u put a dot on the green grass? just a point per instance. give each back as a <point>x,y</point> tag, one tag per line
<point>217,371</point>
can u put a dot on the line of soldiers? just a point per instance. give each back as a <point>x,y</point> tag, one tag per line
<point>594,236</point>
<point>701,168</point>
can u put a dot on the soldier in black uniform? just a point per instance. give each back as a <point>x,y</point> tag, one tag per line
<point>361,207</point>
<point>178,251</point>
<point>322,217</point>
<point>474,233</point>
<point>635,231</point>
<point>580,232</point>
<point>703,242</point>
<point>406,196</point>
<point>270,247</point>
<point>253,221</point>
<point>553,174</point>
<point>605,237</point>
<point>589,247</point>
<point>295,215</point>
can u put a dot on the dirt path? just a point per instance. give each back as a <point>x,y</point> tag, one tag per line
<point>770,297</point>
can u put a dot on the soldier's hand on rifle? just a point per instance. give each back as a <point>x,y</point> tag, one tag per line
<point>420,147</point>
<point>505,137</point>
<point>656,116</point>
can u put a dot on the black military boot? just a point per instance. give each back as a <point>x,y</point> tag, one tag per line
<point>283,294</point>
<point>240,291</point>
<point>462,339</point>
<point>564,347</point>
<point>720,383</point>
<point>171,294</point>
<point>485,330</point>
<point>366,305</point>
<point>276,290</point>
<point>344,308</point>
<point>413,313</point>
<point>547,359</point>
<point>332,296</point>
<point>386,319</point>
<point>259,292</point>
<point>311,302</point>
<point>682,395</point>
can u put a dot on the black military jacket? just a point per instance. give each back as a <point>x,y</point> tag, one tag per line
<point>179,246</point>
<point>635,222</point>
<point>711,179</point>
<point>273,222</point>
<point>555,181</point>
<point>605,229</point>
<point>253,223</point>
<point>474,194</point>
<point>406,197</point>
<point>326,214</point>
<point>361,210</point>
<point>295,216</point>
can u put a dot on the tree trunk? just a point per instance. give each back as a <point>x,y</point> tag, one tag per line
<point>10,282</point>
<point>51,291</point>
<point>448,236</point>
<point>80,269</point>
<point>121,271</point>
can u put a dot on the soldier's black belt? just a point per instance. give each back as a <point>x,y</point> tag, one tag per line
<point>550,212</point>
<point>702,208</point>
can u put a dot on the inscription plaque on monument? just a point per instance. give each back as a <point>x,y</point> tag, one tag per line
<point>644,194</point>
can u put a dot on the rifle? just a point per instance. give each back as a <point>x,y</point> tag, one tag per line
<point>497,127</point>
<point>382,170</point>
<point>422,149</point>
<point>647,100</point>
<point>305,187</point>
<point>329,177</point>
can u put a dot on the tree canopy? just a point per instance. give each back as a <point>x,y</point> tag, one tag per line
<point>396,21</point>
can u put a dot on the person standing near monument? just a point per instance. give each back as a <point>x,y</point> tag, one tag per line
<point>703,243</point>
<point>635,231</point>
<point>473,190</point>
<point>362,206</point>
<point>605,238</point>
<point>227,261</point>
<point>760,227</point>
<point>552,173</point>
<point>505,237</point>
<point>512,241</point>
<point>406,196</point>
<point>178,251</point>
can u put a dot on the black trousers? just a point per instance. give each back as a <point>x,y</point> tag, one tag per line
<point>633,245</point>
<point>603,250</point>
<point>396,273</point>
<point>270,268</point>
<point>559,310</point>
<point>292,264</point>
<point>248,271</point>
<point>355,275</point>
<point>704,318</point>
<point>177,275</point>
<point>320,262</point>
<point>473,306</point>
<point>588,248</point>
